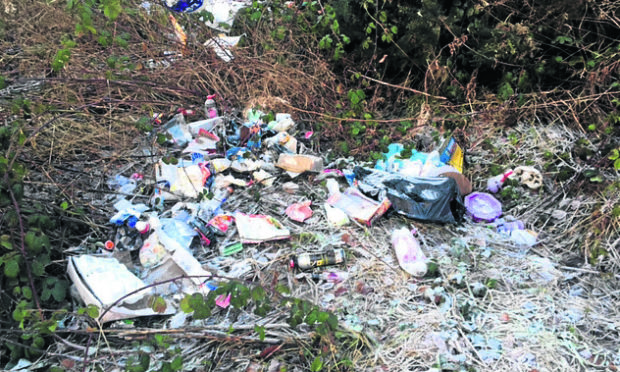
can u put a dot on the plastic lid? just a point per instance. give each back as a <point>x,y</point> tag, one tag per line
<point>142,227</point>
<point>131,221</point>
<point>109,245</point>
<point>482,206</point>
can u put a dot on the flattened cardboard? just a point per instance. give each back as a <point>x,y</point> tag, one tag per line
<point>116,312</point>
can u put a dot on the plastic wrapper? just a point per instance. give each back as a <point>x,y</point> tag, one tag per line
<point>359,207</point>
<point>187,181</point>
<point>335,216</point>
<point>175,265</point>
<point>263,177</point>
<point>434,199</point>
<point>178,129</point>
<point>300,163</point>
<point>152,251</point>
<point>453,154</point>
<point>257,228</point>
<point>207,125</point>
<point>299,211</point>
<point>408,251</point>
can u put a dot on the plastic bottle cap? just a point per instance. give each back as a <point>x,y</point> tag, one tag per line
<point>131,221</point>
<point>142,227</point>
<point>109,245</point>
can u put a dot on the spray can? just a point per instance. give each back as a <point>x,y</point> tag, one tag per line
<point>210,108</point>
<point>306,261</point>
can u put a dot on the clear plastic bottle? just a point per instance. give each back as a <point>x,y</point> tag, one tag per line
<point>210,107</point>
<point>408,251</point>
<point>332,276</point>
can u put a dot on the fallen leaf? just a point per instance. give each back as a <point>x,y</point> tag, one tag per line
<point>361,287</point>
<point>340,291</point>
<point>68,363</point>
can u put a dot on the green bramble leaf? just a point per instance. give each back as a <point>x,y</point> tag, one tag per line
<point>317,365</point>
<point>11,267</point>
<point>92,311</point>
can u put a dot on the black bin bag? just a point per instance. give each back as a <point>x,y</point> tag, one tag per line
<point>433,199</point>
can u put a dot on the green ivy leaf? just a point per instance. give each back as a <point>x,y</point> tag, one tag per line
<point>202,312</point>
<point>322,316</point>
<point>46,294</point>
<point>38,342</point>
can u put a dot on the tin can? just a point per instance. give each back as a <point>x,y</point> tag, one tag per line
<point>306,261</point>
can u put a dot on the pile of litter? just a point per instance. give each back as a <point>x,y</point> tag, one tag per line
<point>245,199</point>
<point>188,215</point>
<point>507,287</point>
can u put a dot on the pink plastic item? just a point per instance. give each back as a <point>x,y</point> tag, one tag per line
<point>408,251</point>
<point>494,184</point>
<point>223,301</point>
<point>299,211</point>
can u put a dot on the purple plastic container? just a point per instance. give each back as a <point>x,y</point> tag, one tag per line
<point>482,206</point>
